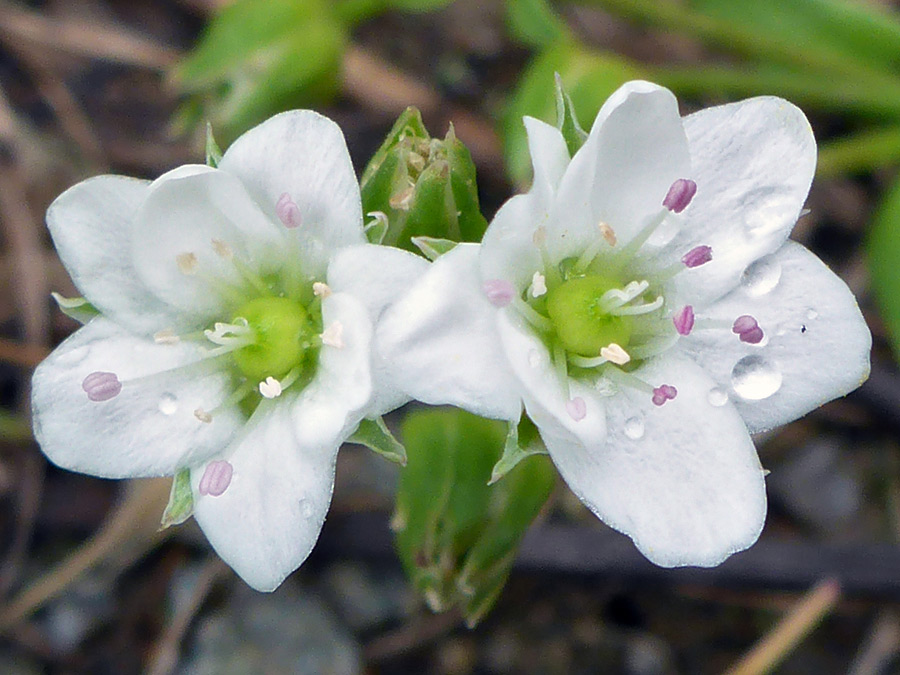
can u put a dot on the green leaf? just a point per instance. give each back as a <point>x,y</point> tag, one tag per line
<point>433,248</point>
<point>14,427</point>
<point>883,249</point>
<point>76,308</point>
<point>862,151</point>
<point>534,23</point>
<point>588,76</point>
<point>374,434</point>
<point>417,5</point>
<point>456,536</point>
<point>567,120</point>
<point>181,501</point>
<point>213,152</point>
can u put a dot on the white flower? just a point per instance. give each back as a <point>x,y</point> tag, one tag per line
<point>236,306</point>
<point>678,318</point>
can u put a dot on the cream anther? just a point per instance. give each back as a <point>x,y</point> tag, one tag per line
<point>333,336</point>
<point>538,285</point>
<point>608,234</point>
<point>187,263</point>
<point>166,336</point>
<point>615,354</point>
<point>222,249</point>
<point>321,290</point>
<point>203,416</point>
<point>288,212</point>
<point>402,200</point>
<point>270,388</point>
<point>539,238</point>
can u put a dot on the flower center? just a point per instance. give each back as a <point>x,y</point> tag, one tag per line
<point>581,317</point>
<point>282,338</point>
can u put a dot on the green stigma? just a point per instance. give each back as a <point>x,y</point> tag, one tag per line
<point>579,320</point>
<point>282,333</point>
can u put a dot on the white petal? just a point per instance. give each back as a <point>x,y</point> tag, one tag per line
<point>377,275</point>
<point>544,394</point>
<point>688,489</point>
<point>440,342</point>
<point>816,345</point>
<point>266,522</point>
<point>753,163</point>
<point>91,224</point>
<point>302,154</point>
<point>149,428</point>
<point>508,251</point>
<point>549,157</point>
<point>636,149</point>
<point>340,394</point>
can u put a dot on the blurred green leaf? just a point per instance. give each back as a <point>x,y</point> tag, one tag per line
<point>417,5</point>
<point>588,76</point>
<point>883,249</point>
<point>455,535</point>
<point>535,23</point>
<point>14,427</point>
<point>863,151</point>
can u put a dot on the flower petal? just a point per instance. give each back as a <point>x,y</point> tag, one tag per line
<point>549,157</point>
<point>440,342</point>
<point>377,275</point>
<point>682,480</point>
<point>91,224</point>
<point>636,149</point>
<point>267,520</point>
<point>508,250</point>
<point>815,348</point>
<point>149,428</point>
<point>188,214</point>
<point>303,155</point>
<point>753,163</point>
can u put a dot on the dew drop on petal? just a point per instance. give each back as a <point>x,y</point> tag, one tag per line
<point>761,277</point>
<point>812,314</point>
<point>755,378</point>
<point>168,404</point>
<point>634,428</point>
<point>717,397</point>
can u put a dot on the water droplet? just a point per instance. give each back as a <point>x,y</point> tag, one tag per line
<point>634,428</point>
<point>717,396</point>
<point>168,404</point>
<point>306,508</point>
<point>769,212</point>
<point>754,378</point>
<point>665,232</point>
<point>812,314</point>
<point>534,358</point>
<point>761,277</point>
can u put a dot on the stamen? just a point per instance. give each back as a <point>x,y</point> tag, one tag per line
<point>222,249</point>
<point>632,310</point>
<point>333,336</point>
<point>653,347</point>
<point>680,195</point>
<point>627,379</point>
<point>203,416</point>
<point>187,263</point>
<point>101,386</point>
<point>576,408</point>
<point>270,388</point>
<point>499,292</point>
<point>627,252</point>
<point>607,235</point>
<point>321,290</point>
<point>532,316</point>
<point>216,478</point>
<point>288,212</point>
<point>540,240</point>
<point>615,354</point>
<point>166,336</point>
<point>663,393</point>
<point>538,285</point>
<point>748,329</point>
<point>616,297</point>
<point>587,362</point>
<point>561,367</point>
<point>684,320</point>
<point>699,255</point>
<point>230,333</point>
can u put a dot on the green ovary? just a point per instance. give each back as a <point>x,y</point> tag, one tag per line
<point>578,319</point>
<point>282,333</point>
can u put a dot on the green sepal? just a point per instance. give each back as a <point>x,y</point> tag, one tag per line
<point>456,536</point>
<point>522,440</point>
<point>376,228</point>
<point>181,501</point>
<point>213,152</point>
<point>433,248</point>
<point>567,120</point>
<point>374,434</point>
<point>76,308</point>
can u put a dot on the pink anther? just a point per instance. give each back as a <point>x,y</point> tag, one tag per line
<point>663,393</point>
<point>684,320</point>
<point>747,328</point>
<point>101,386</point>
<point>576,408</point>
<point>288,211</point>
<point>499,292</point>
<point>216,478</point>
<point>680,195</point>
<point>699,255</point>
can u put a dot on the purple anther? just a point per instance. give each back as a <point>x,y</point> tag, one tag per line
<point>748,329</point>
<point>216,478</point>
<point>499,292</point>
<point>100,386</point>
<point>699,255</point>
<point>684,320</point>
<point>576,408</point>
<point>288,211</point>
<point>663,393</point>
<point>680,195</point>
